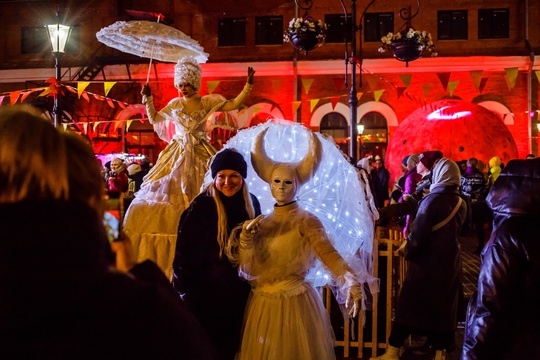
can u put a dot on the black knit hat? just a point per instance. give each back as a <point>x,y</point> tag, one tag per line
<point>229,159</point>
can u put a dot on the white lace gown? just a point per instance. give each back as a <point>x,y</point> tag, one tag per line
<point>285,317</point>
<point>151,221</point>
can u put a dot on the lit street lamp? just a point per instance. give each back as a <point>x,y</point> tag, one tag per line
<point>360,131</point>
<point>58,35</point>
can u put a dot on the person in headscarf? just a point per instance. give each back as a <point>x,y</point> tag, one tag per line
<point>203,275</point>
<point>428,301</point>
<point>151,221</point>
<point>285,317</point>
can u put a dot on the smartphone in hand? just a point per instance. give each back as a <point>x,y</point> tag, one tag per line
<point>114,215</point>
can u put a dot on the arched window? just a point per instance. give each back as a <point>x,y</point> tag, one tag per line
<point>374,138</point>
<point>335,125</point>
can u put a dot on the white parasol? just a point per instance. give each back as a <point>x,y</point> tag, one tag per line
<point>151,40</point>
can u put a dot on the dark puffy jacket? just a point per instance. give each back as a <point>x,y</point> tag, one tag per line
<point>504,315</point>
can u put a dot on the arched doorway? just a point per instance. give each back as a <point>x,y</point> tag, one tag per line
<point>335,125</point>
<point>374,137</point>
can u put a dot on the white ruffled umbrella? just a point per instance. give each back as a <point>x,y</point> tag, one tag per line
<point>151,40</point>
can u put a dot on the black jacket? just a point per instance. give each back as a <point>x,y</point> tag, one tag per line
<point>60,300</point>
<point>504,315</point>
<point>208,282</point>
<point>429,298</point>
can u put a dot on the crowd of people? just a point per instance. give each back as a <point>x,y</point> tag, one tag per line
<point>200,273</point>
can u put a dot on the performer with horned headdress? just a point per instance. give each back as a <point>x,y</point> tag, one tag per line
<point>152,219</point>
<point>285,317</point>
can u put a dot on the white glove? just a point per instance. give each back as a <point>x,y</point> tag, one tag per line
<point>353,299</point>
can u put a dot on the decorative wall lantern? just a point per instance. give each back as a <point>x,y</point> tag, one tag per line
<point>408,44</point>
<point>305,33</point>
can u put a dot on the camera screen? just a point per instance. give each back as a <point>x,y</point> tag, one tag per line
<point>112,219</point>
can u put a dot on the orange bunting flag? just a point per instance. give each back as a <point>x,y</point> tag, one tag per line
<point>276,85</point>
<point>406,79</point>
<point>307,84</point>
<point>212,85</point>
<point>312,104</point>
<point>400,91</point>
<point>122,105</point>
<point>98,97</point>
<point>476,76</point>
<point>511,76</point>
<point>107,86</point>
<point>14,96</point>
<point>71,89</point>
<point>85,96</point>
<point>452,85</point>
<point>334,100</point>
<point>339,83</point>
<point>425,90</point>
<point>377,95</point>
<point>110,102</point>
<point>372,81</point>
<point>359,95</point>
<point>2,99</point>
<point>295,106</point>
<point>81,85</point>
<point>128,124</point>
<point>25,95</point>
<point>443,78</point>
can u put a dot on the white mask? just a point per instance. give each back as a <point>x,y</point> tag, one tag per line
<point>283,184</point>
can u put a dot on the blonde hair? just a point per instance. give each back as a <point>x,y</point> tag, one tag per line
<point>223,231</point>
<point>33,162</point>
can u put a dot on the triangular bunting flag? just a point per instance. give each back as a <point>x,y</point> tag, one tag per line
<point>511,76</point>
<point>443,78</point>
<point>2,99</point>
<point>98,97</point>
<point>110,102</point>
<point>212,85</point>
<point>81,85</point>
<point>45,92</point>
<point>372,80</point>
<point>122,104</point>
<point>359,95</point>
<point>85,96</point>
<point>482,84</point>
<point>452,85</point>
<point>476,76</point>
<point>107,85</point>
<point>425,90</point>
<point>312,104</point>
<point>307,84</point>
<point>537,72</point>
<point>406,79</point>
<point>295,106</point>
<point>128,124</point>
<point>95,125</point>
<point>85,128</point>
<point>377,95</point>
<point>276,85</point>
<point>339,83</point>
<point>400,91</point>
<point>64,125</point>
<point>71,89</point>
<point>25,95</point>
<point>334,100</point>
<point>14,96</point>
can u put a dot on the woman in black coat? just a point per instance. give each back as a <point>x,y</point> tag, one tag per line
<point>203,275</point>
<point>428,300</point>
<point>504,315</point>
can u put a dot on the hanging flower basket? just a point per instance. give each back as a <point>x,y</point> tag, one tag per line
<point>408,45</point>
<point>305,34</point>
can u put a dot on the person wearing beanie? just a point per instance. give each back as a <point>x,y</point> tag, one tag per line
<point>151,221</point>
<point>203,275</point>
<point>426,161</point>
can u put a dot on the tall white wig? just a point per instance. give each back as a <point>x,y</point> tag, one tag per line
<point>188,71</point>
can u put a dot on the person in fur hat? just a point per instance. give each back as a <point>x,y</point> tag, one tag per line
<point>151,221</point>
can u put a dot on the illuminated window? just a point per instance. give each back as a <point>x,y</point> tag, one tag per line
<point>452,25</point>
<point>232,31</point>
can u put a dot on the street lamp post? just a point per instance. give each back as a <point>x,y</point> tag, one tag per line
<point>360,131</point>
<point>58,36</point>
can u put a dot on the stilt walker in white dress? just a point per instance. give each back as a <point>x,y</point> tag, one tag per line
<point>285,317</point>
<point>151,222</point>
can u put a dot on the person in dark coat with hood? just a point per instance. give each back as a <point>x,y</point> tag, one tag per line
<point>428,301</point>
<point>60,297</point>
<point>503,315</point>
<point>203,275</point>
